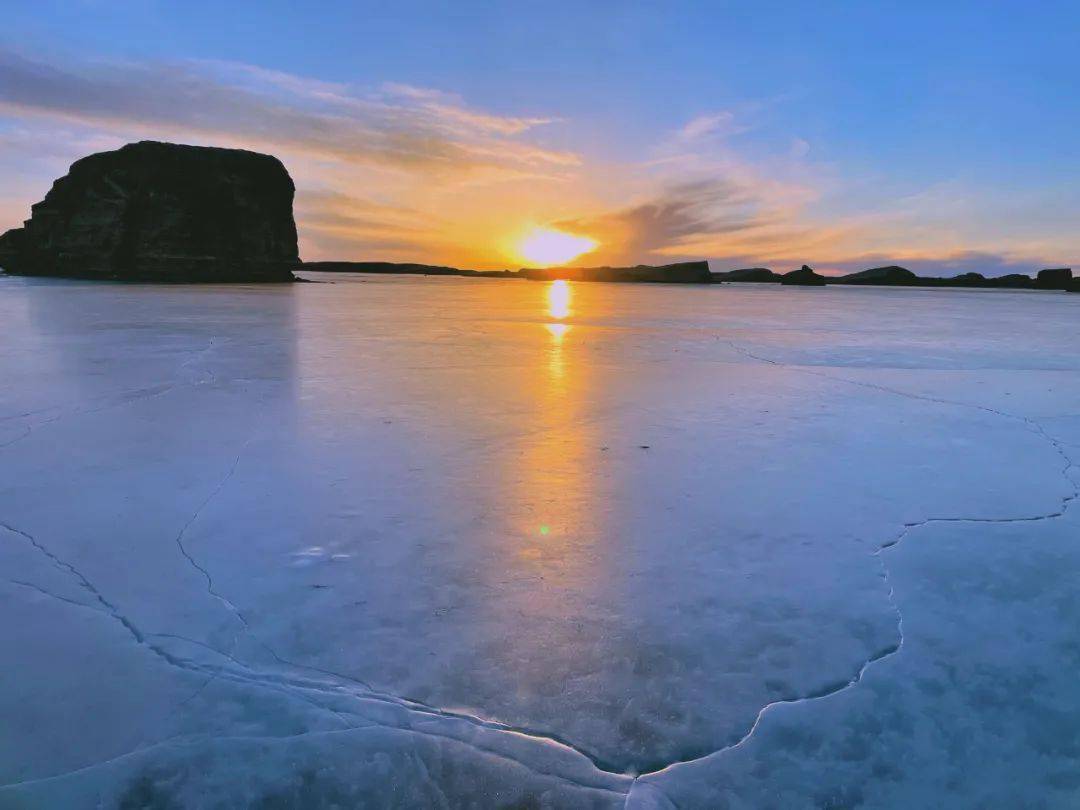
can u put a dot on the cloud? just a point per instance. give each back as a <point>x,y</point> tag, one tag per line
<point>720,122</point>
<point>450,109</point>
<point>336,225</point>
<point>668,221</point>
<point>713,205</point>
<point>402,128</point>
<point>740,221</point>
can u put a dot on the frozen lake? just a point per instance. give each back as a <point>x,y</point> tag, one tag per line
<point>419,542</point>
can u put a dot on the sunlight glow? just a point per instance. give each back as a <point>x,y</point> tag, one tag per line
<point>546,247</point>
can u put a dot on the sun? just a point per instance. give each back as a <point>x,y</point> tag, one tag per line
<point>545,247</point>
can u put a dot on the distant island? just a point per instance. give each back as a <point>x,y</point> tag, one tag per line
<point>698,273</point>
<point>153,211</point>
<point>402,269</point>
<point>680,273</point>
<point>1059,278</point>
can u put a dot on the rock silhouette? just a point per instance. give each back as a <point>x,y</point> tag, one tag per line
<point>803,277</point>
<point>679,273</point>
<point>402,269</point>
<point>1054,278</point>
<point>1014,280</point>
<point>153,211</point>
<point>886,276</point>
<point>749,274</point>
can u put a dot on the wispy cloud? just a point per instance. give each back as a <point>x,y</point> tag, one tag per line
<point>335,224</point>
<point>722,123</point>
<point>664,223</point>
<point>397,127</point>
<point>450,109</point>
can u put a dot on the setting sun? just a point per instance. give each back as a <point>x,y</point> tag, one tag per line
<point>547,246</point>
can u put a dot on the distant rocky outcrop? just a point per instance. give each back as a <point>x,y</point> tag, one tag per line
<point>803,277</point>
<point>402,269</point>
<point>890,275</point>
<point>1017,280</point>
<point>896,276</point>
<point>385,268</point>
<point>749,274</point>
<point>1054,278</point>
<point>162,212</point>
<point>680,273</point>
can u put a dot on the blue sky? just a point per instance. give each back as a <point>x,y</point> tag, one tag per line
<point>839,134</point>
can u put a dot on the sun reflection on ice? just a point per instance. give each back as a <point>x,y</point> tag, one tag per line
<point>558,296</point>
<point>557,330</point>
<point>558,301</point>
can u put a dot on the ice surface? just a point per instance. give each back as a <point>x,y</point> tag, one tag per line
<point>418,541</point>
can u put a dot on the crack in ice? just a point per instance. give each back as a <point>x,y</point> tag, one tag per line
<point>117,400</point>
<point>1066,502</point>
<point>195,516</point>
<point>244,675</point>
<point>111,401</point>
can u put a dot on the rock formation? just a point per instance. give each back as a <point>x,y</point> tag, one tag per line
<point>385,268</point>
<point>162,212</point>
<point>1054,278</point>
<point>750,274</point>
<point>895,276</point>
<point>803,277</point>
<point>1018,280</point>
<point>680,273</point>
<point>891,275</point>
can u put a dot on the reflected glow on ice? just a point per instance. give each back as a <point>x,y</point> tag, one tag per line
<point>558,296</point>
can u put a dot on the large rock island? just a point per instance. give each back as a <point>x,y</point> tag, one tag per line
<point>153,211</point>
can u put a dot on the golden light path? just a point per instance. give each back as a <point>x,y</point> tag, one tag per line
<point>558,296</point>
<point>546,246</point>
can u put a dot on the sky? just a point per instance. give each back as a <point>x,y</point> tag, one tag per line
<point>844,135</point>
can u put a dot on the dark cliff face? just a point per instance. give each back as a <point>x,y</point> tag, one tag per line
<point>162,212</point>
